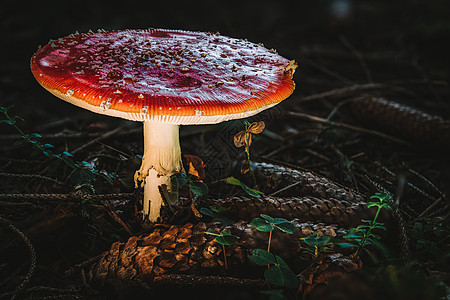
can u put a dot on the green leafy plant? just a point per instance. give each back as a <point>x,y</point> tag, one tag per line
<point>215,212</point>
<point>430,238</point>
<point>268,224</point>
<point>317,244</point>
<point>363,235</point>
<point>225,239</point>
<point>197,187</point>
<point>82,173</point>
<point>245,188</point>
<point>278,272</point>
<point>193,178</point>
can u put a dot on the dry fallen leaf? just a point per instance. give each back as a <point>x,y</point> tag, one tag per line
<point>245,167</point>
<point>256,127</point>
<point>242,138</point>
<point>239,139</point>
<point>196,167</point>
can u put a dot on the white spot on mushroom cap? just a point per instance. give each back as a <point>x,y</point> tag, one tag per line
<point>106,104</point>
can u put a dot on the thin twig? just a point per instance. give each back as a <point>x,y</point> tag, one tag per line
<point>358,55</point>
<point>102,137</point>
<point>409,183</point>
<point>427,181</point>
<point>326,70</point>
<point>27,242</point>
<point>67,196</point>
<point>114,215</point>
<point>346,126</point>
<point>83,264</point>
<point>196,280</point>
<point>284,189</point>
<point>32,176</point>
<point>436,202</point>
<point>353,90</point>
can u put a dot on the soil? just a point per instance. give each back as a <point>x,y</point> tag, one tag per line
<point>346,50</point>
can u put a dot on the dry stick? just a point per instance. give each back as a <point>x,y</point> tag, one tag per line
<point>114,149</point>
<point>28,176</point>
<point>83,264</point>
<point>284,189</point>
<point>346,126</point>
<point>64,135</point>
<point>91,142</point>
<point>436,202</point>
<point>114,215</point>
<point>32,254</point>
<point>67,196</point>
<point>196,280</point>
<point>326,70</point>
<point>427,181</point>
<point>346,91</point>
<point>353,90</point>
<point>417,189</point>
<point>358,55</point>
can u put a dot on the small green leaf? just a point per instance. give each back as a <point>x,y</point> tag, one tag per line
<point>352,235</point>
<point>207,212</point>
<point>178,180</point>
<point>223,220</point>
<point>233,181</point>
<point>286,226</point>
<point>274,275</point>
<point>252,192</point>
<point>36,135</point>
<point>249,191</point>
<point>315,239</point>
<point>217,208</point>
<point>279,221</point>
<point>47,153</point>
<point>198,188</point>
<point>85,164</point>
<point>382,227</point>
<point>290,279</point>
<point>65,153</point>
<point>268,218</point>
<point>227,239</point>
<point>261,225</point>
<point>345,245</point>
<point>262,257</point>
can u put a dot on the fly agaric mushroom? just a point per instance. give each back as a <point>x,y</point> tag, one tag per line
<point>164,78</point>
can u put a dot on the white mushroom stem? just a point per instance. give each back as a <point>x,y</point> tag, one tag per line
<point>162,158</point>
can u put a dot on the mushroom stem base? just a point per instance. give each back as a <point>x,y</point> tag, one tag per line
<point>162,158</point>
<point>153,196</point>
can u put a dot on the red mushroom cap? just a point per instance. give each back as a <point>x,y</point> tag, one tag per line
<point>171,76</point>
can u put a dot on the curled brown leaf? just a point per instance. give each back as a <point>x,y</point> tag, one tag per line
<point>256,127</point>
<point>239,139</point>
<point>196,167</point>
<point>245,167</point>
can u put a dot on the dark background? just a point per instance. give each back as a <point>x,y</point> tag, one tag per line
<point>415,30</point>
<point>337,44</point>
